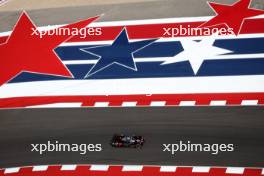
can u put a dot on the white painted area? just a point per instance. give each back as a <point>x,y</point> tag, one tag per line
<point>150,21</point>
<point>99,167</point>
<point>5,33</point>
<point>249,102</point>
<point>129,103</point>
<point>165,39</point>
<point>128,22</point>
<point>11,170</point>
<point>57,105</point>
<point>235,170</point>
<point>79,62</point>
<point>218,84</point>
<point>68,167</point>
<point>132,168</point>
<point>201,169</point>
<point>101,104</point>
<point>172,59</point>
<point>218,103</point>
<point>262,173</point>
<point>158,103</point>
<point>40,168</point>
<point>187,103</point>
<point>168,168</point>
<point>157,21</point>
<point>197,52</point>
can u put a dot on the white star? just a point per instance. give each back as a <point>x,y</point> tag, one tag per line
<point>197,52</point>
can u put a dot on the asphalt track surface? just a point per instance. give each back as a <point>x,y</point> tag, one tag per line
<point>242,126</point>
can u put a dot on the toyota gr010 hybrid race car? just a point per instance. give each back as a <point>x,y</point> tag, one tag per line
<point>127,141</point>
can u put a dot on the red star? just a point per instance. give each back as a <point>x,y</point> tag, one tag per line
<point>27,52</point>
<point>232,15</point>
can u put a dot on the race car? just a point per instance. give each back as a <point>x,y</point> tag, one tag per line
<point>132,141</point>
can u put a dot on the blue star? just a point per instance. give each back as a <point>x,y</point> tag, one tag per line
<point>120,53</point>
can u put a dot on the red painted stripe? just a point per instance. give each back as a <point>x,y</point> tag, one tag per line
<point>156,30</point>
<point>84,170</point>
<point>250,26</point>
<point>142,100</point>
<point>3,39</point>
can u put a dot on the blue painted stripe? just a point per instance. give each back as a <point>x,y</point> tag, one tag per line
<point>155,70</point>
<point>167,49</point>
<point>250,66</point>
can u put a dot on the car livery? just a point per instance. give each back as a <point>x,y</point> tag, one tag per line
<point>128,141</point>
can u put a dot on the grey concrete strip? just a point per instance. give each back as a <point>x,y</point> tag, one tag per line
<point>113,12</point>
<point>242,126</point>
<point>15,5</point>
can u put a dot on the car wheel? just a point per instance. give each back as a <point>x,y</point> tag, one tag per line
<point>138,146</point>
